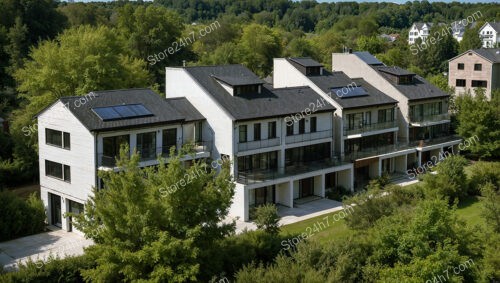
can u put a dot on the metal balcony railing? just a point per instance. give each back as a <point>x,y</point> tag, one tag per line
<point>363,128</point>
<point>308,136</point>
<point>376,150</point>
<point>151,153</point>
<point>258,144</point>
<point>257,176</point>
<point>429,118</point>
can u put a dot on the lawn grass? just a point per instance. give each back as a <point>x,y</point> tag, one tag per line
<point>468,210</point>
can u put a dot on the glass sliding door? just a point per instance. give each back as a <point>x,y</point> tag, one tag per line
<point>169,140</point>
<point>111,148</point>
<point>146,145</point>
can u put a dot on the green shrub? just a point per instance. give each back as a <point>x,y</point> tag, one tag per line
<point>450,181</point>
<point>483,173</point>
<point>15,173</point>
<point>54,270</point>
<point>339,193</point>
<point>267,218</point>
<point>20,217</point>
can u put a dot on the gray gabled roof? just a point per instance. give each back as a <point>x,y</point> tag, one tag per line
<point>367,58</point>
<point>490,54</point>
<point>339,79</point>
<point>244,78</point>
<point>419,89</point>
<point>165,111</point>
<point>421,25</point>
<point>395,70</point>
<point>494,25</point>
<point>269,103</point>
<point>306,62</point>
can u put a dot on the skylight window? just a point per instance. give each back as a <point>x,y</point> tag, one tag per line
<point>118,112</point>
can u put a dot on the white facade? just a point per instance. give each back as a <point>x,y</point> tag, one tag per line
<point>80,158</point>
<point>83,158</point>
<point>419,30</point>
<point>489,36</point>
<point>279,184</point>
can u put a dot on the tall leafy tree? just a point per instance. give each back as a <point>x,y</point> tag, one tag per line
<point>80,60</point>
<point>479,119</point>
<point>470,40</point>
<point>259,45</point>
<point>156,224</point>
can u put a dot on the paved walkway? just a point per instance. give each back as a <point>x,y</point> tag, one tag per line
<point>298,213</point>
<point>40,247</point>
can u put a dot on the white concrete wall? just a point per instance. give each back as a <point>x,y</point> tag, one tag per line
<point>80,157</point>
<point>179,83</point>
<point>354,67</point>
<point>284,194</point>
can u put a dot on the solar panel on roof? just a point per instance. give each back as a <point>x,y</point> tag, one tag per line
<point>106,113</point>
<point>119,112</point>
<point>347,92</point>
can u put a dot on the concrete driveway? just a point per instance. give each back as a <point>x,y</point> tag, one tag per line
<point>40,247</point>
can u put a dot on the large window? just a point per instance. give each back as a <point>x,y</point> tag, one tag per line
<point>243,133</point>
<point>385,115</point>
<point>271,130</point>
<point>169,140</point>
<point>479,83</point>
<point>256,132</point>
<point>302,126</point>
<point>460,83</point>
<point>289,129</point>
<point>111,145</point>
<point>355,120</point>
<point>146,145</point>
<point>261,161</point>
<point>57,138</point>
<point>419,111</point>
<point>57,170</point>
<point>297,155</point>
<point>314,124</point>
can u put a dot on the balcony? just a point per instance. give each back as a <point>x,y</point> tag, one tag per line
<point>149,156</point>
<point>258,144</point>
<point>308,136</point>
<point>441,138</point>
<point>370,127</point>
<point>259,176</point>
<point>377,150</point>
<point>428,119</point>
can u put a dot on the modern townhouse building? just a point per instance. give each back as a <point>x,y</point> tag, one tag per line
<point>366,121</point>
<point>424,121</point>
<point>473,69</point>
<point>280,140</point>
<point>79,136</point>
<point>419,30</point>
<point>490,34</point>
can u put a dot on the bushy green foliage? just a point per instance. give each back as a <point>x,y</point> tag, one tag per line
<point>491,206</point>
<point>339,193</point>
<point>155,224</point>
<point>20,217</point>
<point>373,204</point>
<point>450,181</point>
<point>482,173</point>
<point>54,270</point>
<point>267,218</point>
<point>478,119</point>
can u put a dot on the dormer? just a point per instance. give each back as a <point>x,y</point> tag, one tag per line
<point>398,75</point>
<point>307,66</point>
<point>238,85</point>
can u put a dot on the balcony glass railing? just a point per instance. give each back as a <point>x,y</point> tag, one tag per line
<point>258,144</point>
<point>437,139</point>
<point>257,176</point>
<point>376,150</point>
<point>429,118</point>
<point>148,154</point>
<point>370,127</point>
<point>308,136</point>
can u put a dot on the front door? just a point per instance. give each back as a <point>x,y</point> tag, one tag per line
<point>55,204</point>
<point>306,187</point>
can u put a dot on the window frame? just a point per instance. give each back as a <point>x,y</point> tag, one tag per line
<point>478,67</point>
<point>257,132</point>
<point>65,138</point>
<point>242,133</point>
<point>460,80</point>
<point>313,126</point>
<point>271,130</point>
<point>65,171</point>
<point>462,65</point>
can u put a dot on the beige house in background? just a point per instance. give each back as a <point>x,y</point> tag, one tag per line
<point>473,69</point>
